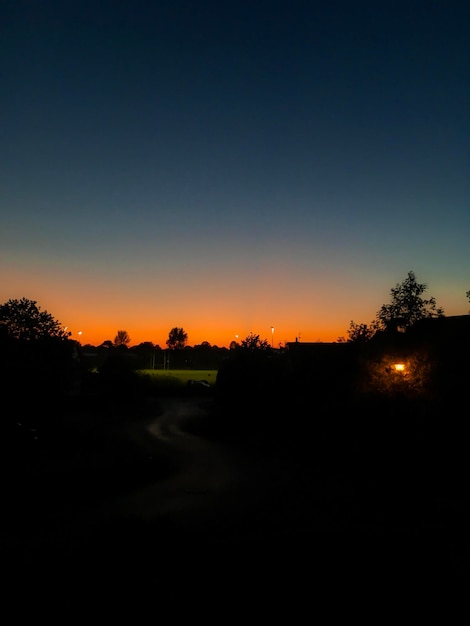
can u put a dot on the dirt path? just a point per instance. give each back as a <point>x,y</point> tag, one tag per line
<point>220,496</point>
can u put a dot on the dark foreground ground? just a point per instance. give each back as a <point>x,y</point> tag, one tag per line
<point>291,504</point>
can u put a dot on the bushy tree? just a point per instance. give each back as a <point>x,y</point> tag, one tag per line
<point>121,339</point>
<point>40,366</point>
<point>254,342</point>
<point>177,338</point>
<point>407,306</point>
<point>359,333</point>
<point>23,319</point>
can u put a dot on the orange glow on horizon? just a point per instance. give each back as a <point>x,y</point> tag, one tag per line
<point>215,312</point>
<point>276,303</point>
<point>222,337</point>
<point>216,308</point>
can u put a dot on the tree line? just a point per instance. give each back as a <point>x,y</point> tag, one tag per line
<point>24,320</point>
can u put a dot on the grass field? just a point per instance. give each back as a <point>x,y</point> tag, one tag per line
<point>179,378</point>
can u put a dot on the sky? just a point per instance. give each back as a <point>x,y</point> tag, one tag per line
<point>232,167</point>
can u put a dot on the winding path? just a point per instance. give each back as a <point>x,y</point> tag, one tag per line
<point>215,490</point>
<point>232,498</point>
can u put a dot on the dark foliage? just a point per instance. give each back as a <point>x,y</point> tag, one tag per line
<point>24,320</point>
<point>39,378</point>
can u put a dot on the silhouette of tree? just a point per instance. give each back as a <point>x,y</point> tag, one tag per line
<point>407,306</point>
<point>121,339</point>
<point>177,338</point>
<point>254,342</point>
<point>23,319</point>
<point>359,333</point>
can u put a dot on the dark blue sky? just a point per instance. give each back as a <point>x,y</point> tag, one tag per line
<point>249,164</point>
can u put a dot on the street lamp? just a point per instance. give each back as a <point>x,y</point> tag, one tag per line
<point>272,336</point>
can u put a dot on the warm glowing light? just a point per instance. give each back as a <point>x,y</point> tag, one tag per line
<point>399,367</point>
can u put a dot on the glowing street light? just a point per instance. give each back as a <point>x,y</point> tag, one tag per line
<point>272,336</point>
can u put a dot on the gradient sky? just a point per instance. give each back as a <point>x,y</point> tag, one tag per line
<point>231,166</point>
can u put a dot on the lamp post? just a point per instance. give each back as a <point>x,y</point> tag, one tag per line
<point>272,336</point>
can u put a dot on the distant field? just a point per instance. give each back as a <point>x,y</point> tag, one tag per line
<point>178,378</point>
